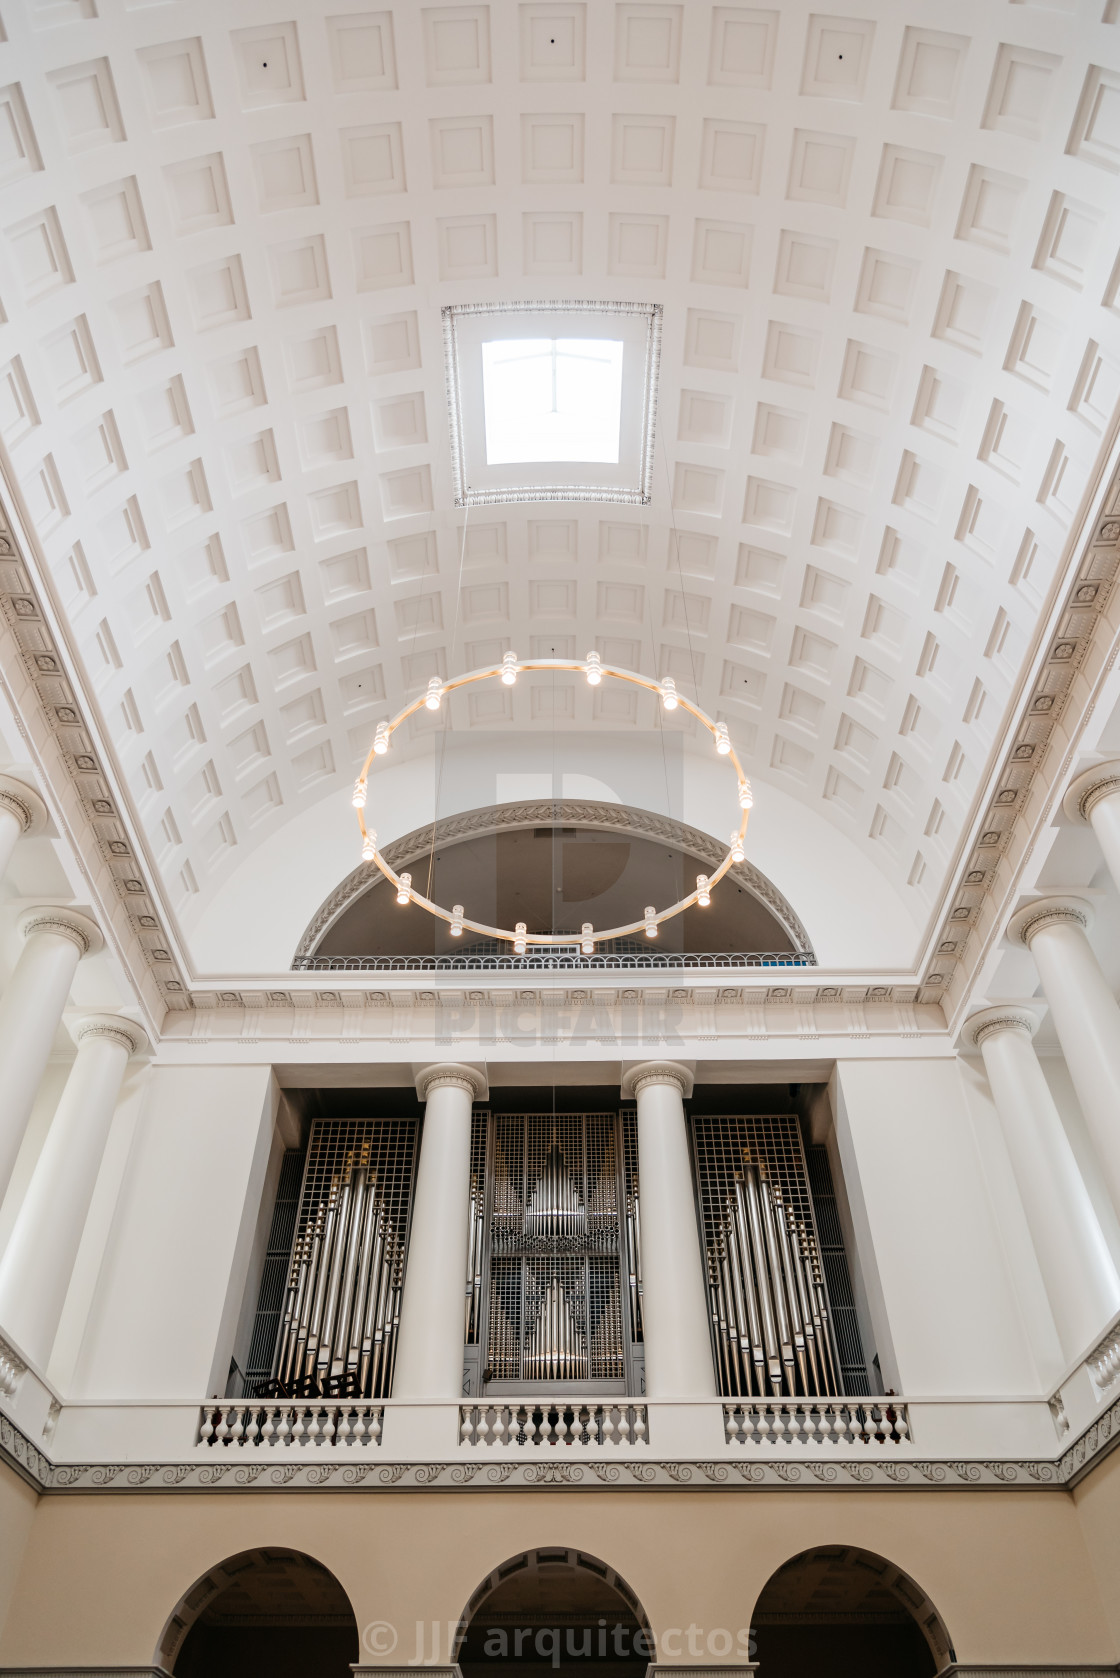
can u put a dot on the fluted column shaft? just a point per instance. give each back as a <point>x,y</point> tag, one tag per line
<point>38,1261</point>
<point>21,811</point>
<point>678,1348</point>
<point>1085,1017</point>
<point>430,1348</point>
<point>30,1014</point>
<point>1078,1271</point>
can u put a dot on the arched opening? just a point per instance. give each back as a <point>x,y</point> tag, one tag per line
<point>554,1609</point>
<point>850,1613</point>
<point>267,1613</point>
<point>555,866</point>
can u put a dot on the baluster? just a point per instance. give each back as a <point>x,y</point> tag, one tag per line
<point>793,1424</point>
<point>482,1427</point>
<point>299,1425</point>
<point>268,1426</point>
<point>828,1424</point>
<point>205,1427</point>
<point>376,1420</point>
<point>624,1432</point>
<point>641,1432</point>
<point>313,1427</point>
<point>284,1426</point>
<point>342,1425</point>
<point>808,1424</point>
<point>221,1432</point>
<point>252,1432</point>
<point>609,1431</point>
<point>901,1425</point>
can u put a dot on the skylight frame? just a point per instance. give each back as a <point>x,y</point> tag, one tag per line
<point>477,484</point>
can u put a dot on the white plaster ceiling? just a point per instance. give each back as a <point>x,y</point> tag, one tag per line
<point>887,250</point>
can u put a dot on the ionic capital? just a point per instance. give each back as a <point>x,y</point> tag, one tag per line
<point>993,1022</point>
<point>62,923</point>
<point>24,803</point>
<point>451,1075</point>
<point>1026,923</point>
<point>649,1074</point>
<point>112,1028</point>
<point>1093,785</point>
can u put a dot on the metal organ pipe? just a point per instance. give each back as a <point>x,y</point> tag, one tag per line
<point>769,1309</point>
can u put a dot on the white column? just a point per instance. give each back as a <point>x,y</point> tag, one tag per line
<point>1085,1016</point>
<point>678,1345</point>
<point>21,811</point>
<point>430,1347</point>
<point>1077,1268</point>
<point>1094,797</point>
<point>38,1261</point>
<point>55,940</point>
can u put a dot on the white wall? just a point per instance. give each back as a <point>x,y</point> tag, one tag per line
<point>256,918</point>
<point>165,1310</point>
<point>948,1317</point>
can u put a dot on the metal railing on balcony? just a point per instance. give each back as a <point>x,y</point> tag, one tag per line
<point>560,958</point>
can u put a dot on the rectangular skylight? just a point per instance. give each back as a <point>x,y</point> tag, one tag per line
<point>552,399</point>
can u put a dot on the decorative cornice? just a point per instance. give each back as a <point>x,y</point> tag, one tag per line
<point>992,1022</point>
<point>63,923</point>
<point>553,812</point>
<point>1075,625</point>
<point>451,1075</point>
<point>24,803</point>
<point>1100,781</point>
<point>112,1028</point>
<point>1029,921</point>
<point>651,1074</point>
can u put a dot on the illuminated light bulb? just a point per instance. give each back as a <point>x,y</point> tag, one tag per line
<point>737,852</point>
<point>723,742</point>
<point>381,739</point>
<point>369,847</point>
<point>456,920</point>
<point>434,694</point>
<point>593,670</point>
<point>703,895</point>
<point>519,941</point>
<point>359,798</point>
<point>587,942</point>
<point>669,694</point>
<point>651,921</point>
<point>746,796</point>
<point>404,888</point>
<point>509,669</point>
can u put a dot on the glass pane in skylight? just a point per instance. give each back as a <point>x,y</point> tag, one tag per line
<point>552,399</point>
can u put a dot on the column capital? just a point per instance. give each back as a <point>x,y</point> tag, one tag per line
<point>1100,780</point>
<point>992,1022</point>
<point>1048,911</point>
<point>63,923</point>
<point>112,1027</point>
<point>453,1075</point>
<point>650,1073</point>
<point>24,803</point>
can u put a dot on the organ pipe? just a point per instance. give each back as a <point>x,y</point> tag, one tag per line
<point>772,1328</point>
<point>341,1310</point>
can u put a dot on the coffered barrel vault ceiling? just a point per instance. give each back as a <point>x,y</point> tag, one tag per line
<point>888,255</point>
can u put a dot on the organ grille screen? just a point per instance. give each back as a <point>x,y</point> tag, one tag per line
<point>773,1330</point>
<point>551,1286</point>
<point>336,1327</point>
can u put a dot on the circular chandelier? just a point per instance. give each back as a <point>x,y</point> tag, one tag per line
<point>507,673</point>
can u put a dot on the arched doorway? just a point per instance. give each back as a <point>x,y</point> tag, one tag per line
<point>552,1610</point>
<point>850,1613</point>
<point>267,1613</point>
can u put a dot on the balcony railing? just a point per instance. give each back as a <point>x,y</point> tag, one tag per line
<point>555,1423</point>
<point>561,959</point>
<point>285,1425</point>
<point>798,1421</point>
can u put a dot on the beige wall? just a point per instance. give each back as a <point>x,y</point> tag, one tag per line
<point>17,1511</point>
<point>1010,1573</point>
<point>1097,1500</point>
